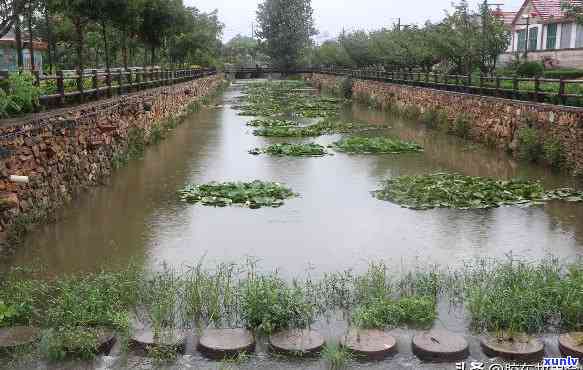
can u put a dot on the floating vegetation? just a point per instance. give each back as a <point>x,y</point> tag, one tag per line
<point>276,98</point>
<point>326,127</point>
<point>292,150</point>
<point>272,123</point>
<point>444,190</point>
<point>254,194</point>
<point>376,145</point>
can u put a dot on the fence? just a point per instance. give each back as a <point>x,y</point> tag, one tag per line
<point>564,92</point>
<point>68,87</point>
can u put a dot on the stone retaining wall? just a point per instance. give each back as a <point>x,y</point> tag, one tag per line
<point>66,150</point>
<point>493,120</point>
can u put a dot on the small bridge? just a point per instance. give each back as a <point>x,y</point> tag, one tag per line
<point>258,72</point>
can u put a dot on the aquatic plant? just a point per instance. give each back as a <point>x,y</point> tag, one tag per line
<point>268,304</point>
<point>379,313</point>
<point>326,127</point>
<point>376,145</point>
<point>336,356</point>
<point>292,150</point>
<point>255,194</point>
<point>442,190</point>
<point>272,123</point>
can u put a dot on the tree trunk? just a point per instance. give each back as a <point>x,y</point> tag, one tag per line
<point>18,40</point>
<point>153,56</point>
<point>31,37</point>
<point>50,50</point>
<point>106,46</point>
<point>124,48</point>
<point>79,29</point>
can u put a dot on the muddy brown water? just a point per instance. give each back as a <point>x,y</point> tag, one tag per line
<point>336,224</point>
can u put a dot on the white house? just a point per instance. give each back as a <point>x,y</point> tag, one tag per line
<point>541,30</point>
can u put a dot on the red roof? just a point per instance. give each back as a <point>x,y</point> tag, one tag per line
<point>547,10</point>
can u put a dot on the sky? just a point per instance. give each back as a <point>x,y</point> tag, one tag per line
<point>332,16</point>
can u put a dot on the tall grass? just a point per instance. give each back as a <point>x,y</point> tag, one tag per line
<point>507,296</point>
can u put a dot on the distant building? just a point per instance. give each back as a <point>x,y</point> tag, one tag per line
<point>9,59</point>
<point>553,38</point>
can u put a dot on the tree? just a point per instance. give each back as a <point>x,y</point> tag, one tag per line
<point>285,28</point>
<point>241,50</point>
<point>10,10</point>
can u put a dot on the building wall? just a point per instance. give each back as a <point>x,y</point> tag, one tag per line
<point>567,58</point>
<point>9,59</point>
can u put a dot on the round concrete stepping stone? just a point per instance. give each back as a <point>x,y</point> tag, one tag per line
<point>571,344</point>
<point>18,336</point>
<point>170,340</point>
<point>297,342</point>
<point>440,346</point>
<point>374,345</point>
<point>225,343</point>
<point>520,348</point>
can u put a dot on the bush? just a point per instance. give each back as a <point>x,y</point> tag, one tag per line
<point>565,73</point>
<point>553,152</point>
<point>269,305</point>
<point>434,118</point>
<point>461,126</point>
<point>530,147</point>
<point>530,69</point>
<point>20,97</point>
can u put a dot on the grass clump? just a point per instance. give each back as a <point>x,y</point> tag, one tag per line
<point>571,299</point>
<point>385,312</point>
<point>434,118</point>
<point>444,190</point>
<point>292,150</point>
<point>514,296</point>
<point>269,304</point>
<point>461,126</point>
<point>336,356</point>
<point>530,147</point>
<point>255,194</point>
<point>376,145</point>
<point>272,123</point>
<point>553,152</point>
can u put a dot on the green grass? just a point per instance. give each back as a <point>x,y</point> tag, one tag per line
<point>442,190</point>
<point>255,194</point>
<point>336,356</point>
<point>376,145</point>
<point>509,296</point>
<point>292,150</point>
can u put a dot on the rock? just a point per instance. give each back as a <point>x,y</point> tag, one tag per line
<point>373,345</point>
<point>8,201</point>
<point>440,346</point>
<point>300,342</point>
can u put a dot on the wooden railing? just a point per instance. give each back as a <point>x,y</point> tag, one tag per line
<point>70,87</point>
<point>542,90</point>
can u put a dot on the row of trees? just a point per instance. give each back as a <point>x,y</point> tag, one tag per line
<point>463,41</point>
<point>107,33</point>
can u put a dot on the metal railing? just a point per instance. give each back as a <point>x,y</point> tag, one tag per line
<point>540,90</point>
<point>70,87</point>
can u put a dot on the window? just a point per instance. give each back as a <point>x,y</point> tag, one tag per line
<point>552,36</point>
<point>521,37</point>
<point>532,38</point>
<point>566,35</point>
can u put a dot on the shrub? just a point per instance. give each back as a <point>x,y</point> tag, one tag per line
<point>530,147</point>
<point>411,112</point>
<point>269,304</point>
<point>434,118</point>
<point>565,73</point>
<point>553,152</point>
<point>21,95</point>
<point>461,126</point>
<point>530,69</point>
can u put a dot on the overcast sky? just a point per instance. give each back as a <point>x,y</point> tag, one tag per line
<point>333,15</point>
